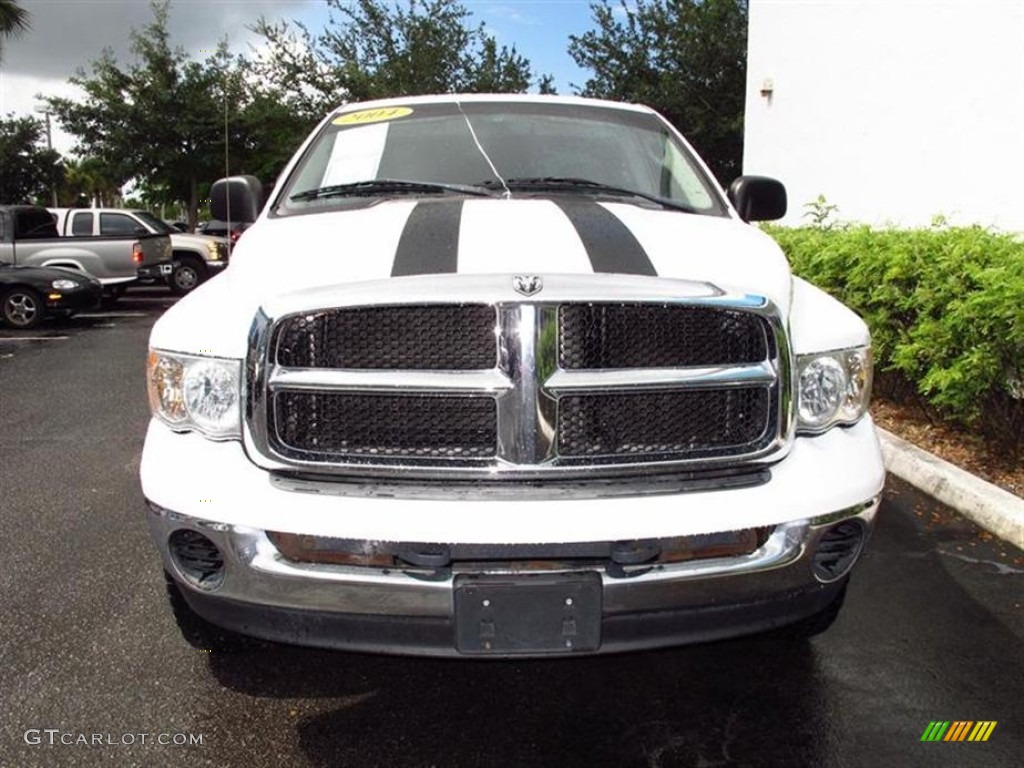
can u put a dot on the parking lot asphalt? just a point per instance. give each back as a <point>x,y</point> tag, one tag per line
<point>933,630</point>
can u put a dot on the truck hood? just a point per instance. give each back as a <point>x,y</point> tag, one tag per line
<point>194,242</point>
<point>369,245</point>
<point>493,236</point>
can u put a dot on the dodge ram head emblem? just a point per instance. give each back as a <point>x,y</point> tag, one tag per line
<point>527,284</point>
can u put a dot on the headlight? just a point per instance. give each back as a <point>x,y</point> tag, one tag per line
<point>834,388</point>
<point>196,393</point>
<point>64,285</point>
<point>213,251</point>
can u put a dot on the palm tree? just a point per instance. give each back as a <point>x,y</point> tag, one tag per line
<point>13,21</point>
<point>90,180</point>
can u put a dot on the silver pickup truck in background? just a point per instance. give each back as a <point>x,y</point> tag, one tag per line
<point>29,236</point>
<point>196,257</point>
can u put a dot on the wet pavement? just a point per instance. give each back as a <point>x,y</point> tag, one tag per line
<point>933,629</point>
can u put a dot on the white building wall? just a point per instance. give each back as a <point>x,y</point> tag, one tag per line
<point>894,110</point>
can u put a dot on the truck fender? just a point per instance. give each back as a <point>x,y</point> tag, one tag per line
<point>66,253</point>
<point>65,263</point>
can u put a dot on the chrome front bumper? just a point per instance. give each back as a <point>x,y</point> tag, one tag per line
<point>374,609</point>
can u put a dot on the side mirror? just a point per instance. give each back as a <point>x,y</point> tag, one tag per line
<point>236,198</point>
<point>758,198</point>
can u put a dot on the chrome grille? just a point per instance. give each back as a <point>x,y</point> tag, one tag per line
<point>324,426</point>
<point>687,424</point>
<point>597,377</point>
<point>430,338</point>
<point>596,336</point>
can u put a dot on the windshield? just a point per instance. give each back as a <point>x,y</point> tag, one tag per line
<point>524,145</point>
<point>159,226</point>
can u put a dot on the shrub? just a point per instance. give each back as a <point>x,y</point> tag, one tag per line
<point>946,312</point>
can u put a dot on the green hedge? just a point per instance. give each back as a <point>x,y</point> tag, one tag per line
<point>946,310</point>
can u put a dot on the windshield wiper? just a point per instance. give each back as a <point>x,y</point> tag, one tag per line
<point>389,187</point>
<point>560,183</point>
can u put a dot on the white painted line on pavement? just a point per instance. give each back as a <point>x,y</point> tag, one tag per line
<point>114,314</point>
<point>33,338</point>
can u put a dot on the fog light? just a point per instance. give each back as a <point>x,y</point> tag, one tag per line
<point>838,550</point>
<point>197,559</point>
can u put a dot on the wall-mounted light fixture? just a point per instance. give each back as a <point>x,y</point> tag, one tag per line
<point>767,88</point>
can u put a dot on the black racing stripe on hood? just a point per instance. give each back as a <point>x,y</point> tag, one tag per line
<point>610,244</point>
<point>429,244</point>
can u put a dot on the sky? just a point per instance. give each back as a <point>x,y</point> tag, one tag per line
<point>68,34</point>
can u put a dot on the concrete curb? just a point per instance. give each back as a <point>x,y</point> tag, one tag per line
<point>989,506</point>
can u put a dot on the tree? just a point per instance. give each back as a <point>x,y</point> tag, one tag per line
<point>374,49</point>
<point>268,133</point>
<point>685,58</point>
<point>160,121</point>
<point>29,169</point>
<point>13,21</point>
<point>87,181</point>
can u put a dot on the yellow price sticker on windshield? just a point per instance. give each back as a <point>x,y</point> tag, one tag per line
<point>372,116</point>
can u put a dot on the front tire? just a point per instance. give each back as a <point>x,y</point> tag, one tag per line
<point>197,631</point>
<point>186,277</point>
<point>817,623</point>
<point>22,308</point>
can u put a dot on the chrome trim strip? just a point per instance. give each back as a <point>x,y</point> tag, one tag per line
<point>784,545</point>
<point>497,289</point>
<point>484,489</point>
<point>330,380</point>
<point>661,378</point>
<point>522,439</point>
<point>255,433</point>
<point>857,510</point>
<point>782,361</point>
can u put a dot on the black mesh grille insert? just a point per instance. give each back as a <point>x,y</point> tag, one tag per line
<point>596,336</point>
<point>435,338</point>
<point>322,426</point>
<point>677,424</point>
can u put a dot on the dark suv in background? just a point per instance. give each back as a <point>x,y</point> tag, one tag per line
<point>220,229</point>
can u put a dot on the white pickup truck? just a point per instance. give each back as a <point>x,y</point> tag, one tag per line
<point>506,376</point>
<point>196,258</point>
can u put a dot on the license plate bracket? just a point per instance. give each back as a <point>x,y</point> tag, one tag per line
<point>528,614</point>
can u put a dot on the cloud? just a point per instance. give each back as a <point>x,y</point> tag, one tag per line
<point>67,34</point>
<point>623,11</point>
<point>18,94</point>
<point>509,13</point>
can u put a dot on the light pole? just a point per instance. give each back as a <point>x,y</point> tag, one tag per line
<point>49,145</point>
<point>227,165</point>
